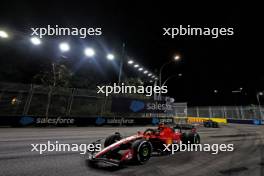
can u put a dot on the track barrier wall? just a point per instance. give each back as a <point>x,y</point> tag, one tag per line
<point>40,121</point>
<point>225,121</point>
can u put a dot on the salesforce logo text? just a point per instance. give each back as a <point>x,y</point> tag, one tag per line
<point>54,121</point>
<point>159,106</point>
<point>120,121</point>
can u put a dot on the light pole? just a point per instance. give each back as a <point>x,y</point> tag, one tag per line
<point>170,77</point>
<point>240,99</point>
<point>259,105</point>
<point>176,58</point>
<point>238,92</point>
<point>121,64</point>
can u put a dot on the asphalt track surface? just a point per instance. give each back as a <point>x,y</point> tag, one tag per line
<point>16,157</point>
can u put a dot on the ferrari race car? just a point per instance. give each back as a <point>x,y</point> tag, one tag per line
<point>210,124</point>
<point>140,147</point>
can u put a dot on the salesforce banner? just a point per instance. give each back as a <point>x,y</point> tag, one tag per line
<point>23,121</point>
<point>128,105</point>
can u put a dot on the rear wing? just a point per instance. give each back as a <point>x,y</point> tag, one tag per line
<point>184,127</point>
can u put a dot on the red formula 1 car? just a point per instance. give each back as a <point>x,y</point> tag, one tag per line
<point>140,147</point>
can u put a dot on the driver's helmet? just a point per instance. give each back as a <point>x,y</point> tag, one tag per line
<point>161,126</point>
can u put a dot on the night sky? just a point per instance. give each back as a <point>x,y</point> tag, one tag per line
<point>224,64</point>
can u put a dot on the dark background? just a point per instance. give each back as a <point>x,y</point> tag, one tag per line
<point>224,64</point>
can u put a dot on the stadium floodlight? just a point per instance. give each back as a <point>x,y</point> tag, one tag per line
<point>215,91</point>
<point>149,74</point>
<point>3,34</point>
<point>145,72</point>
<point>136,66</point>
<point>153,76</point>
<point>180,74</point>
<point>156,78</point>
<point>110,57</point>
<point>140,69</point>
<point>35,41</point>
<point>64,47</point>
<point>130,62</point>
<point>260,93</point>
<point>177,57</point>
<point>89,52</point>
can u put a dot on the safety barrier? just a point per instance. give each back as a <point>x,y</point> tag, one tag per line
<point>20,121</point>
<point>248,121</point>
<point>202,119</point>
<point>224,120</point>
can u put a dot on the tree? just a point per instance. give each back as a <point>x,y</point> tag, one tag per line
<point>133,82</point>
<point>58,76</point>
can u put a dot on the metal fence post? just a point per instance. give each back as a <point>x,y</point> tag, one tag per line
<point>225,113</point>
<point>210,112</point>
<point>254,112</point>
<point>242,112</point>
<point>197,112</point>
<point>70,101</point>
<point>49,101</point>
<point>28,100</point>
<point>103,106</point>
<point>237,112</point>
<point>222,112</point>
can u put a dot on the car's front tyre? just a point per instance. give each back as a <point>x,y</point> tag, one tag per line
<point>142,150</point>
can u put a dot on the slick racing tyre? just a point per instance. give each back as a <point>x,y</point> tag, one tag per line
<point>190,138</point>
<point>184,138</point>
<point>215,125</point>
<point>112,139</point>
<point>194,138</point>
<point>142,150</point>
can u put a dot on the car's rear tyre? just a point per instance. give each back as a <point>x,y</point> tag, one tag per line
<point>142,150</point>
<point>215,125</point>
<point>112,139</point>
<point>184,138</point>
<point>194,138</point>
<point>191,138</point>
